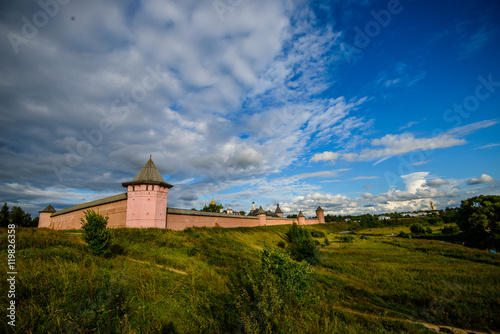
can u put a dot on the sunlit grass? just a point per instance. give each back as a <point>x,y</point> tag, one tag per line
<point>182,279</point>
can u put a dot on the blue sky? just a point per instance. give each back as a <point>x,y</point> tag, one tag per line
<point>358,106</point>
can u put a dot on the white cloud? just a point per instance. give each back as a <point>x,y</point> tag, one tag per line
<point>365,178</point>
<point>325,156</point>
<point>485,178</point>
<point>487,146</point>
<point>407,125</point>
<point>392,145</point>
<point>436,182</point>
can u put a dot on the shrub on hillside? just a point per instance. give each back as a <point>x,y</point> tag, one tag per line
<point>317,234</point>
<point>346,238</point>
<point>327,242</point>
<point>301,245</point>
<point>428,230</point>
<point>450,230</point>
<point>95,233</point>
<point>281,244</point>
<point>267,296</point>
<point>417,229</point>
<point>404,235</point>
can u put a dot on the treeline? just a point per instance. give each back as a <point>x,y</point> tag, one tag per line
<point>395,219</point>
<point>16,216</point>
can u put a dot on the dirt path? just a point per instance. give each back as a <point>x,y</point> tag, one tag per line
<point>159,266</point>
<point>430,326</point>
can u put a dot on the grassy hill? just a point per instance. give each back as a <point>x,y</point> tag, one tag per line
<point>197,281</point>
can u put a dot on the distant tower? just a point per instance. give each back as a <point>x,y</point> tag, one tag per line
<point>262,216</point>
<point>230,210</point>
<point>253,206</point>
<point>147,198</point>
<point>301,219</point>
<point>45,216</point>
<point>278,211</point>
<point>432,206</point>
<point>320,214</point>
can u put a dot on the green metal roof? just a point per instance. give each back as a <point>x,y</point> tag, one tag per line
<point>261,211</point>
<point>148,174</point>
<point>49,208</point>
<point>106,200</point>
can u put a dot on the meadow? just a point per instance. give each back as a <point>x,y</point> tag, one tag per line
<point>192,281</point>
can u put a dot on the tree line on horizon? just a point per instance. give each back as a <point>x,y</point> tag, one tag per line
<point>16,216</point>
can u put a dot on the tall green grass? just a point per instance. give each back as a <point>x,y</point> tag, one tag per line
<point>370,285</point>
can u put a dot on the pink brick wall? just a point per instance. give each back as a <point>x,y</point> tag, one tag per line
<point>116,211</point>
<point>180,221</point>
<point>44,220</point>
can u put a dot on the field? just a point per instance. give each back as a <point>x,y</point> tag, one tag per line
<point>190,282</point>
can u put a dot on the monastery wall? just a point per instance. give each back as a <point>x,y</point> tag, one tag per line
<point>145,206</point>
<point>116,211</point>
<point>179,219</point>
<point>312,221</point>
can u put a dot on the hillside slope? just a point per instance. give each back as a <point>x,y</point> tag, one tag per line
<point>194,281</point>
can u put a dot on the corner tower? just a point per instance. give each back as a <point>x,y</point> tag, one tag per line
<point>278,211</point>
<point>320,214</point>
<point>147,198</point>
<point>45,216</point>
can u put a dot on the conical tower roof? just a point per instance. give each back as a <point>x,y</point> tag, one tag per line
<point>261,211</point>
<point>278,210</point>
<point>50,209</point>
<point>301,214</point>
<point>148,174</point>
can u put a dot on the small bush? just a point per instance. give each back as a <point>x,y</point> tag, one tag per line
<point>95,232</point>
<point>403,235</point>
<point>317,234</point>
<point>417,229</point>
<point>346,238</point>
<point>281,244</point>
<point>327,242</point>
<point>317,242</point>
<point>265,296</point>
<point>428,230</point>
<point>450,230</point>
<point>301,245</point>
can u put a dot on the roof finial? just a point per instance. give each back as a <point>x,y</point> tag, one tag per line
<point>150,156</point>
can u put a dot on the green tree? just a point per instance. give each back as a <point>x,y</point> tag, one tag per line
<point>301,245</point>
<point>4,216</point>
<point>20,218</point>
<point>479,219</point>
<point>417,229</point>
<point>95,233</point>
<point>242,213</point>
<point>34,222</point>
